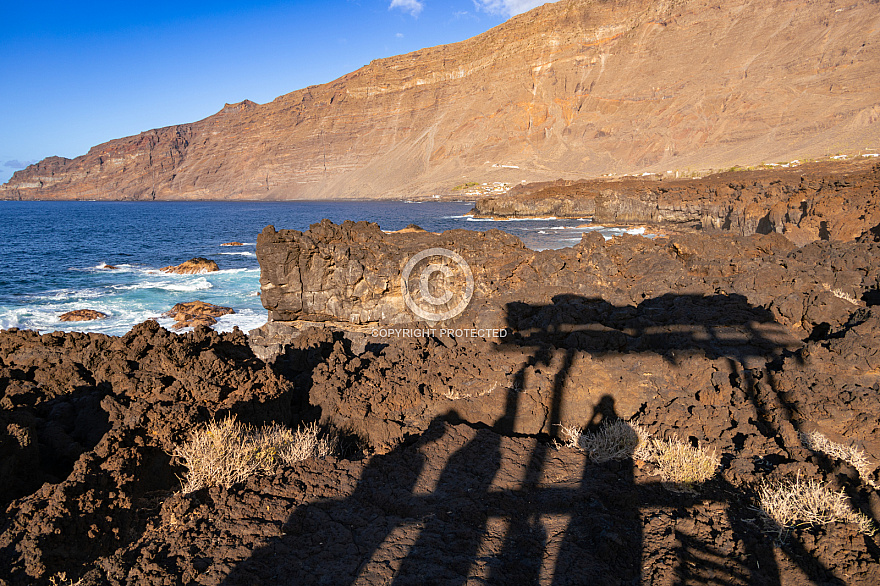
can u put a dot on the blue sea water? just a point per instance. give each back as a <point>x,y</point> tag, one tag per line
<point>53,254</point>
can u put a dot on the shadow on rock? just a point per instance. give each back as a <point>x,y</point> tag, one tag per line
<point>475,501</point>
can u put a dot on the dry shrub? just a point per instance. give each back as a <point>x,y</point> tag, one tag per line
<point>682,463</point>
<point>792,503</point>
<point>676,462</point>
<point>226,452</point>
<point>855,457</point>
<point>616,440</point>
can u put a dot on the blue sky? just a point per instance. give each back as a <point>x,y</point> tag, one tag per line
<point>73,75</point>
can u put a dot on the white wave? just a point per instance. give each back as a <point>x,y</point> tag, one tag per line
<point>235,271</point>
<point>246,320</point>
<point>239,253</point>
<point>66,294</point>
<point>122,315</point>
<point>104,268</point>
<point>547,219</point>
<point>199,284</point>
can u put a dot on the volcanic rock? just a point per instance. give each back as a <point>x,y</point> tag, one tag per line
<point>82,315</point>
<point>232,244</point>
<point>193,266</point>
<point>686,305</point>
<point>195,313</point>
<point>87,423</point>
<point>577,88</point>
<point>351,273</point>
<point>735,343</point>
<point>90,420</point>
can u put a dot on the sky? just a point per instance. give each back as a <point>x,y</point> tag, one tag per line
<point>77,74</point>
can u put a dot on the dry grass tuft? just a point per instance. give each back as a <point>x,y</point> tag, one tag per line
<point>676,461</point>
<point>682,463</point>
<point>617,440</point>
<point>793,503</point>
<point>226,452</point>
<point>856,458</point>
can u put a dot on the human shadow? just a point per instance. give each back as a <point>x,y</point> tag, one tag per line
<point>468,522</point>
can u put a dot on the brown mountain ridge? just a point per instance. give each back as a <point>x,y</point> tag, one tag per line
<point>571,89</point>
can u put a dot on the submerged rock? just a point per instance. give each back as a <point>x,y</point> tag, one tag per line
<point>232,244</point>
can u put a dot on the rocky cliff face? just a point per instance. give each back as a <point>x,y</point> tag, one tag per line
<point>575,88</point>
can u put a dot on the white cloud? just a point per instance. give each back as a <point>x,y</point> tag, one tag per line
<point>507,7</point>
<point>399,35</point>
<point>411,6</point>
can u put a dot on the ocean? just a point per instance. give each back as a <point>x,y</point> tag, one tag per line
<point>53,254</point>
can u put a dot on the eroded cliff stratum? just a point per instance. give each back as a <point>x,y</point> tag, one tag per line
<point>571,89</point>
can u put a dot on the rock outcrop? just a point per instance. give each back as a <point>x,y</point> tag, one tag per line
<point>82,315</point>
<point>193,266</point>
<point>824,201</point>
<point>351,273</point>
<point>196,313</point>
<point>710,298</point>
<point>576,88</point>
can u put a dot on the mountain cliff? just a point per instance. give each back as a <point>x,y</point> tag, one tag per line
<point>570,89</point>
